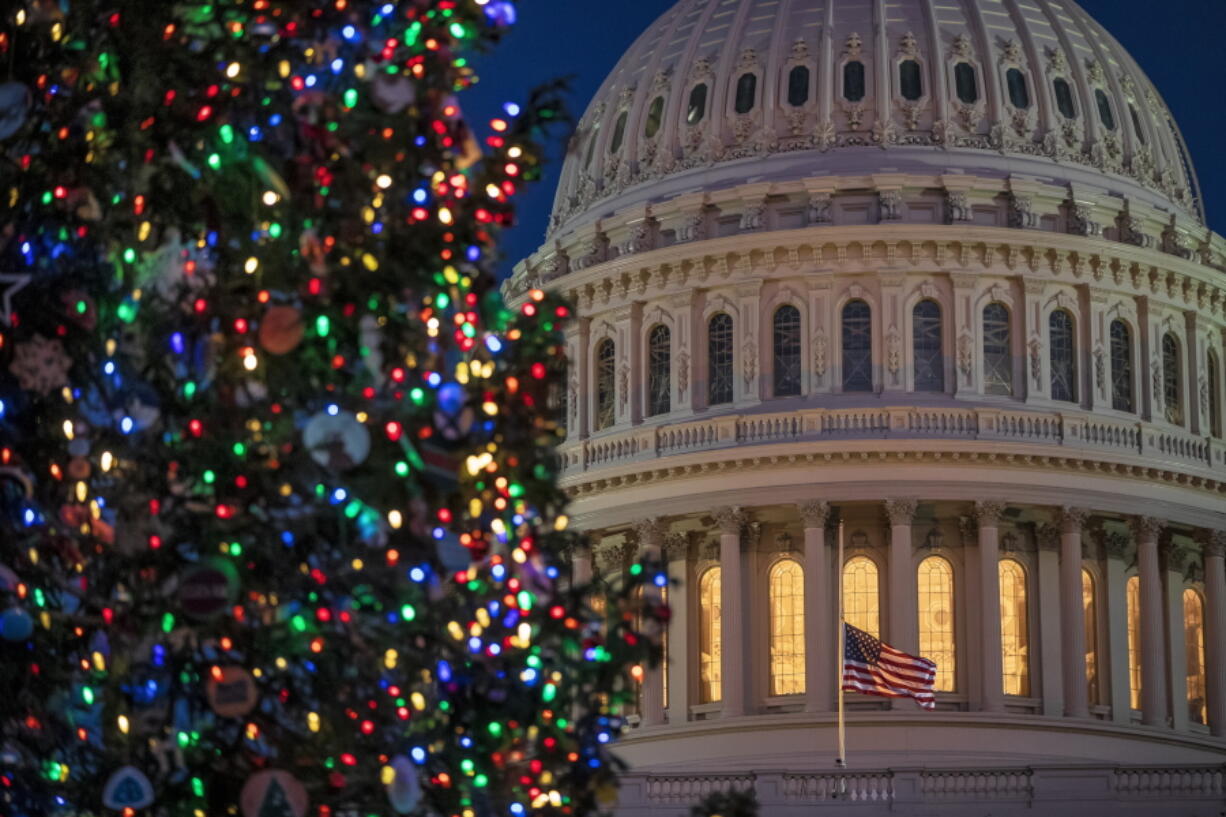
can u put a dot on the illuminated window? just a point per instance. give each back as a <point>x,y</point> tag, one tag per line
<point>659,370</point>
<point>719,359</point>
<point>997,350</point>
<point>936,619</point>
<point>1172,388</point>
<point>861,599</point>
<point>664,649</point>
<point>1014,628</point>
<point>787,351</point>
<point>606,361</point>
<point>787,606</point>
<point>857,347</point>
<point>1194,648</point>
<point>1133,598</point>
<point>926,338</point>
<point>1063,357</point>
<point>710,642</point>
<point>1089,607</point>
<point>1121,367</point>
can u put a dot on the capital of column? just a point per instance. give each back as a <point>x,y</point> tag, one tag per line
<point>1213,543</point>
<point>651,532</point>
<point>731,519</point>
<point>989,511</point>
<point>814,513</point>
<point>1072,520</point>
<point>1147,528</point>
<point>901,511</point>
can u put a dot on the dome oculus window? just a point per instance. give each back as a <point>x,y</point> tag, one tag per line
<point>619,133</point>
<point>1105,114</point>
<point>719,359</point>
<point>655,115</point>
<point>1064,98</point>
<point>853,81</point>
<point>965,83</point>
<point>1136,123</point>
<point>910,80</point>
<point>746,93</point>
<point>697,108</point>
<point>798,86</point>
<point>1019,94</point>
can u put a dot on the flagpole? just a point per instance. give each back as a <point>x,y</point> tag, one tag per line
<point>841,760</point>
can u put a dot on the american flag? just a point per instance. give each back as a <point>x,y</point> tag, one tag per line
<point>875,668</point>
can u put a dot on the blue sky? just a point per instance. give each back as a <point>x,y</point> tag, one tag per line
<point>1177,42</point>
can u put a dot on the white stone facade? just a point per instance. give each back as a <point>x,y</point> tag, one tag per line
<point>981,331</point>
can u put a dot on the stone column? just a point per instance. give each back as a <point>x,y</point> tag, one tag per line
<point>821,619</point>
<point>903,630</point>
<point>1046,593</point>
<point>1215,629</point>
<point>1153,685</point>
<point>677,654</point>
<point>1174,563</point>
<point>731,521</point>
<point>1113,595</point>
<point>651,533</point>
<point>581,565</point>
<point>1072,614</point>
<point>991,664</point>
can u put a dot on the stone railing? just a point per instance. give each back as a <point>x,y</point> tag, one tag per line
<point>1145,444</point>
<point>1091,790</point>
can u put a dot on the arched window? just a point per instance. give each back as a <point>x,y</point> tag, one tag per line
<point>1136,123</point>
<point>798,86</point>
<point>655,115</point>
<point>1089,608</point>
<point>926,340</point>
<point>719,359</point>
<point>710,637</point>
<point>1019,94</point>
<point>1213,379</point>
<point>965,83</point>
<point>1194,649</point>
<point>697,108</point>
<point>746,93</point>
<point>853,81</point>
<point>787,606</point>
<point>997,350</point>
<point>910,80</point>
<point>787,351</point>
<point>861,599</point>
<point>1063,357</point>
<point>606,390</point>
<point>1064,98</point>
<point>1132,597</point>
<point>1105,115</point>
<point>591,146</point>
<point>1172,387</point>
<point>936,619</point>
<point>857,347</point>
<point>1122,388</point>
<point>1014,628</point>
<point>619,132</point>
<point>659,370</point>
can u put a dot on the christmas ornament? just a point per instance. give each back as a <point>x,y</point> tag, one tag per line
<point>14,102</point>
<point>231,692</point>
<point>281,330</point>
<point>128,788</point>
<point>80,308</point>
<point>208,589</point>
<point>16,624</point>
<point>453,419</point>
<point>336,441</point>
<point>404,789</point>
<point>273,793</point>
<point>41,365</point>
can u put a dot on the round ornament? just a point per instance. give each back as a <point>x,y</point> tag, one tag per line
<point>16,624</point>
<point>336,441</point>
<point>404,790</point>
<point>40,364</point>
<point>208,589</point>
<point>80,308</point>
<point>454,418</point>
<point>128,788</point>
<point>273,793</point>
<point>234,694</point>
<point>281,330</point>
<point>14,102</point>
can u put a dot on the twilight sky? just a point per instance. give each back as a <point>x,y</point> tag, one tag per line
<point>1177,43</point>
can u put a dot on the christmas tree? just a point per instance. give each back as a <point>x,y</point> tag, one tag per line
<point>279,525</point>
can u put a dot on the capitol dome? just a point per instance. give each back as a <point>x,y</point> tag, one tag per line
<point>929,278</point>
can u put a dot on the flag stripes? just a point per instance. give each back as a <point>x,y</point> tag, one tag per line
<point>873,667</point>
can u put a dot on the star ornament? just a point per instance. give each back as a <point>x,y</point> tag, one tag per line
<point>14,282</point>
